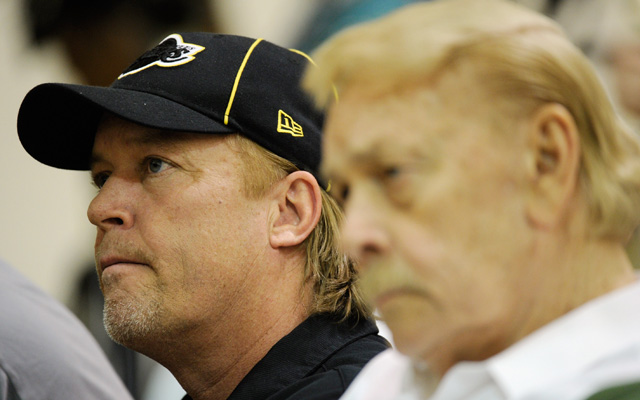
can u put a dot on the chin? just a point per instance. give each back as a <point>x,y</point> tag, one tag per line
<point>128,323</point>
<point>410,342</point>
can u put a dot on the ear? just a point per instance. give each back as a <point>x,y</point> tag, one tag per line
<point>554,152</point>
<point>299,204</point>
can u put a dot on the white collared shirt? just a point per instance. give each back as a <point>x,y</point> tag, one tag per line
<point>592,347</point>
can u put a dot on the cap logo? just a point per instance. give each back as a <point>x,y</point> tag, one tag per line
<point>286,124</point>
<point>170,52</point>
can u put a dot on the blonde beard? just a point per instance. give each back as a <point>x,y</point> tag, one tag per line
<point>130,323</point>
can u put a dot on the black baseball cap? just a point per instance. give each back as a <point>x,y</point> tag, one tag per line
<point>190,82</point>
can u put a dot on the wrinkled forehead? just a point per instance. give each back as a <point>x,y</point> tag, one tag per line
<point>364,113</point>
<point>412,121</point>
<point>361,128</point>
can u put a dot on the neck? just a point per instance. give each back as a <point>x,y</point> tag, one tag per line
<point>588,269</point>
<point>569,274</point>
<point>562,276</point>
<point>210,359</point>
<point>210,366</point>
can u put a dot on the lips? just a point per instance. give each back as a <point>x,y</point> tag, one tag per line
<point>384,297</point>
<point>118,250</point>
<point>108,261</point>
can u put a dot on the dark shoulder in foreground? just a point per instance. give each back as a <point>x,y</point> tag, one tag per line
<point>316,361</point>
<point>335,373</point>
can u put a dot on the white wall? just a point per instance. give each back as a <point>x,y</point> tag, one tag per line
<point>43,228</point>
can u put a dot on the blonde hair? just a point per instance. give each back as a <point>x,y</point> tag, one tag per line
<point>333,274</point>
<point>525,59</point>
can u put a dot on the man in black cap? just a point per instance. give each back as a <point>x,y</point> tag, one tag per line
<point>217,244</point>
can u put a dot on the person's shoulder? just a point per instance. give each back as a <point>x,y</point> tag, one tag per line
<point>629,391</point>
<point>357,353</point>
<point>327,384</point>
<point>47,351</point>
<point>335,374</point>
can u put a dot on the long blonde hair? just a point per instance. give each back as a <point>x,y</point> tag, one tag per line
<point>333,274</point>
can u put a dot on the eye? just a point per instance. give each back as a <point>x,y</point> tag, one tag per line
<point>100,179</point>
<point>390,172</point>
<point>339,192</point>
<point>344,193</point>
<point>399,183</point>
<point>156,165</point>
<point>388,176</point>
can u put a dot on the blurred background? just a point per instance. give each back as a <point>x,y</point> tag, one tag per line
<point>44,231</point>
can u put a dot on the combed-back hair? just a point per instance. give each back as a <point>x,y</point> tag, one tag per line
<point>523,58</point>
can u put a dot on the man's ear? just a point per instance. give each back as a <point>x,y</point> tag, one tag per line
<point>554,164</point>
<point>299,204</point>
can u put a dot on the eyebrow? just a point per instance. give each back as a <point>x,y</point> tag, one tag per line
<point>379,152</point>
<point>363,155</point>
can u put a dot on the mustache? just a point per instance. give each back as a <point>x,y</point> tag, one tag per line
<point>122,249</point>
<point>381,277</point>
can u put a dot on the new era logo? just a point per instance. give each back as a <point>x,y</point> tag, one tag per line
<point>286,124</point>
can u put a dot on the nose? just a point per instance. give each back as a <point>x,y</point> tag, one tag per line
<point>113,206</point>
<point>363,234</point>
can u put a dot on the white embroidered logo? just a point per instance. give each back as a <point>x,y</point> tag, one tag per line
<point>170,52</point>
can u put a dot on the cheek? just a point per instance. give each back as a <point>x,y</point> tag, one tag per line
<point>216,233</point>
<point>199,216</point>
<point>182,232</point>
<point>442,259</point>
<point>466,276</point>
<point>469,208</point>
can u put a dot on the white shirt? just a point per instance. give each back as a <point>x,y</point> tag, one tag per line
<point>592,347</point>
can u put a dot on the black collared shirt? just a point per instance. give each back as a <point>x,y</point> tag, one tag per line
<point>317,360</point>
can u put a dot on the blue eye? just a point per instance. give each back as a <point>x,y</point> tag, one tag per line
<point>156,165</point>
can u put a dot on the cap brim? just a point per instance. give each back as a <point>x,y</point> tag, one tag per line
<point>57,122</point>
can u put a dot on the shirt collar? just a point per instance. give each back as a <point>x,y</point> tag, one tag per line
<point>569,344</point>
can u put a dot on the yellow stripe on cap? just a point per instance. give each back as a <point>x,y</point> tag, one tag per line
<point>237,81</point>
<point>305,55</point>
